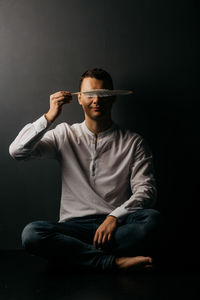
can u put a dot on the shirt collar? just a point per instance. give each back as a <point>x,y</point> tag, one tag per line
<point>101,134</point>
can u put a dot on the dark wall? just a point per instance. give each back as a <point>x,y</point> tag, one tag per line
<point>148,46</point>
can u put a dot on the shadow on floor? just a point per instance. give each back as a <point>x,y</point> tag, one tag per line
<point>26,277</point>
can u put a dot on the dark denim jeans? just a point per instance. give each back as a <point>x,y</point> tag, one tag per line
<point>71,242</point>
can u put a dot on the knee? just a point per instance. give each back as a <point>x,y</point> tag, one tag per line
<point>32,234</point>
<point>148,219</point>
<point>153,216</point>
<point>152,219</point>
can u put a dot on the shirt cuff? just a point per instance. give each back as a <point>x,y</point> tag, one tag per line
<point>41,124</point>
<point>119,213</point>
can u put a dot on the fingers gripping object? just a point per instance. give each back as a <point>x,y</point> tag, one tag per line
<point>104,93</point>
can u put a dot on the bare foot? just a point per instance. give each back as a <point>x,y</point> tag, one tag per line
<point>137,263</point>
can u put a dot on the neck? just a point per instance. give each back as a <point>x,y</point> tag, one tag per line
<point>97,126</point>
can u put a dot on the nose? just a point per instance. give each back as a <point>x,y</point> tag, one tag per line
<point>96,99</point>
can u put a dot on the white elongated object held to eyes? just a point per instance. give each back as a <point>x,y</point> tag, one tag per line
<point>104,93</point>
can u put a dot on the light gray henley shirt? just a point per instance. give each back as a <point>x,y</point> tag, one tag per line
<point>112,175</point>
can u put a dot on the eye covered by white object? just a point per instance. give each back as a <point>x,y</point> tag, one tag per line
<point>104,93</point>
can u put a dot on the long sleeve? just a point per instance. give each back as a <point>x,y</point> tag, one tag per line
<point>30,143</point>
<point>142,183</point>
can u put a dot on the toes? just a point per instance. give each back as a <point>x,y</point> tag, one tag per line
<point>150,260</point>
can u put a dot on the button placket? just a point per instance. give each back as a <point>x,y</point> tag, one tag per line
<point>93,164</point>
<point>95,148</point>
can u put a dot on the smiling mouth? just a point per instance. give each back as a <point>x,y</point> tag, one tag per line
<point>97,108</point>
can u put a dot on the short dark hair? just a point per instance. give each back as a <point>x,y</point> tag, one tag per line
<point>99,74</point>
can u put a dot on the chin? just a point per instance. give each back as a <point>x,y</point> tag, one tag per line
<point>97,116</point>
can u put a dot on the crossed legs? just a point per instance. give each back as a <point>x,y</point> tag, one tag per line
<point>71,242</point>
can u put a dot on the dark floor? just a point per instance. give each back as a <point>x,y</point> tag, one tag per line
<point>26,277</point>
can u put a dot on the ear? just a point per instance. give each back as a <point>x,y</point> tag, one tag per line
<point>79,99</point>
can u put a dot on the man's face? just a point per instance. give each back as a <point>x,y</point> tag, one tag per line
<point>95,108</point>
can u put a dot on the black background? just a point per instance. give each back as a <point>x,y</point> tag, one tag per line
<point>148,46</point>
